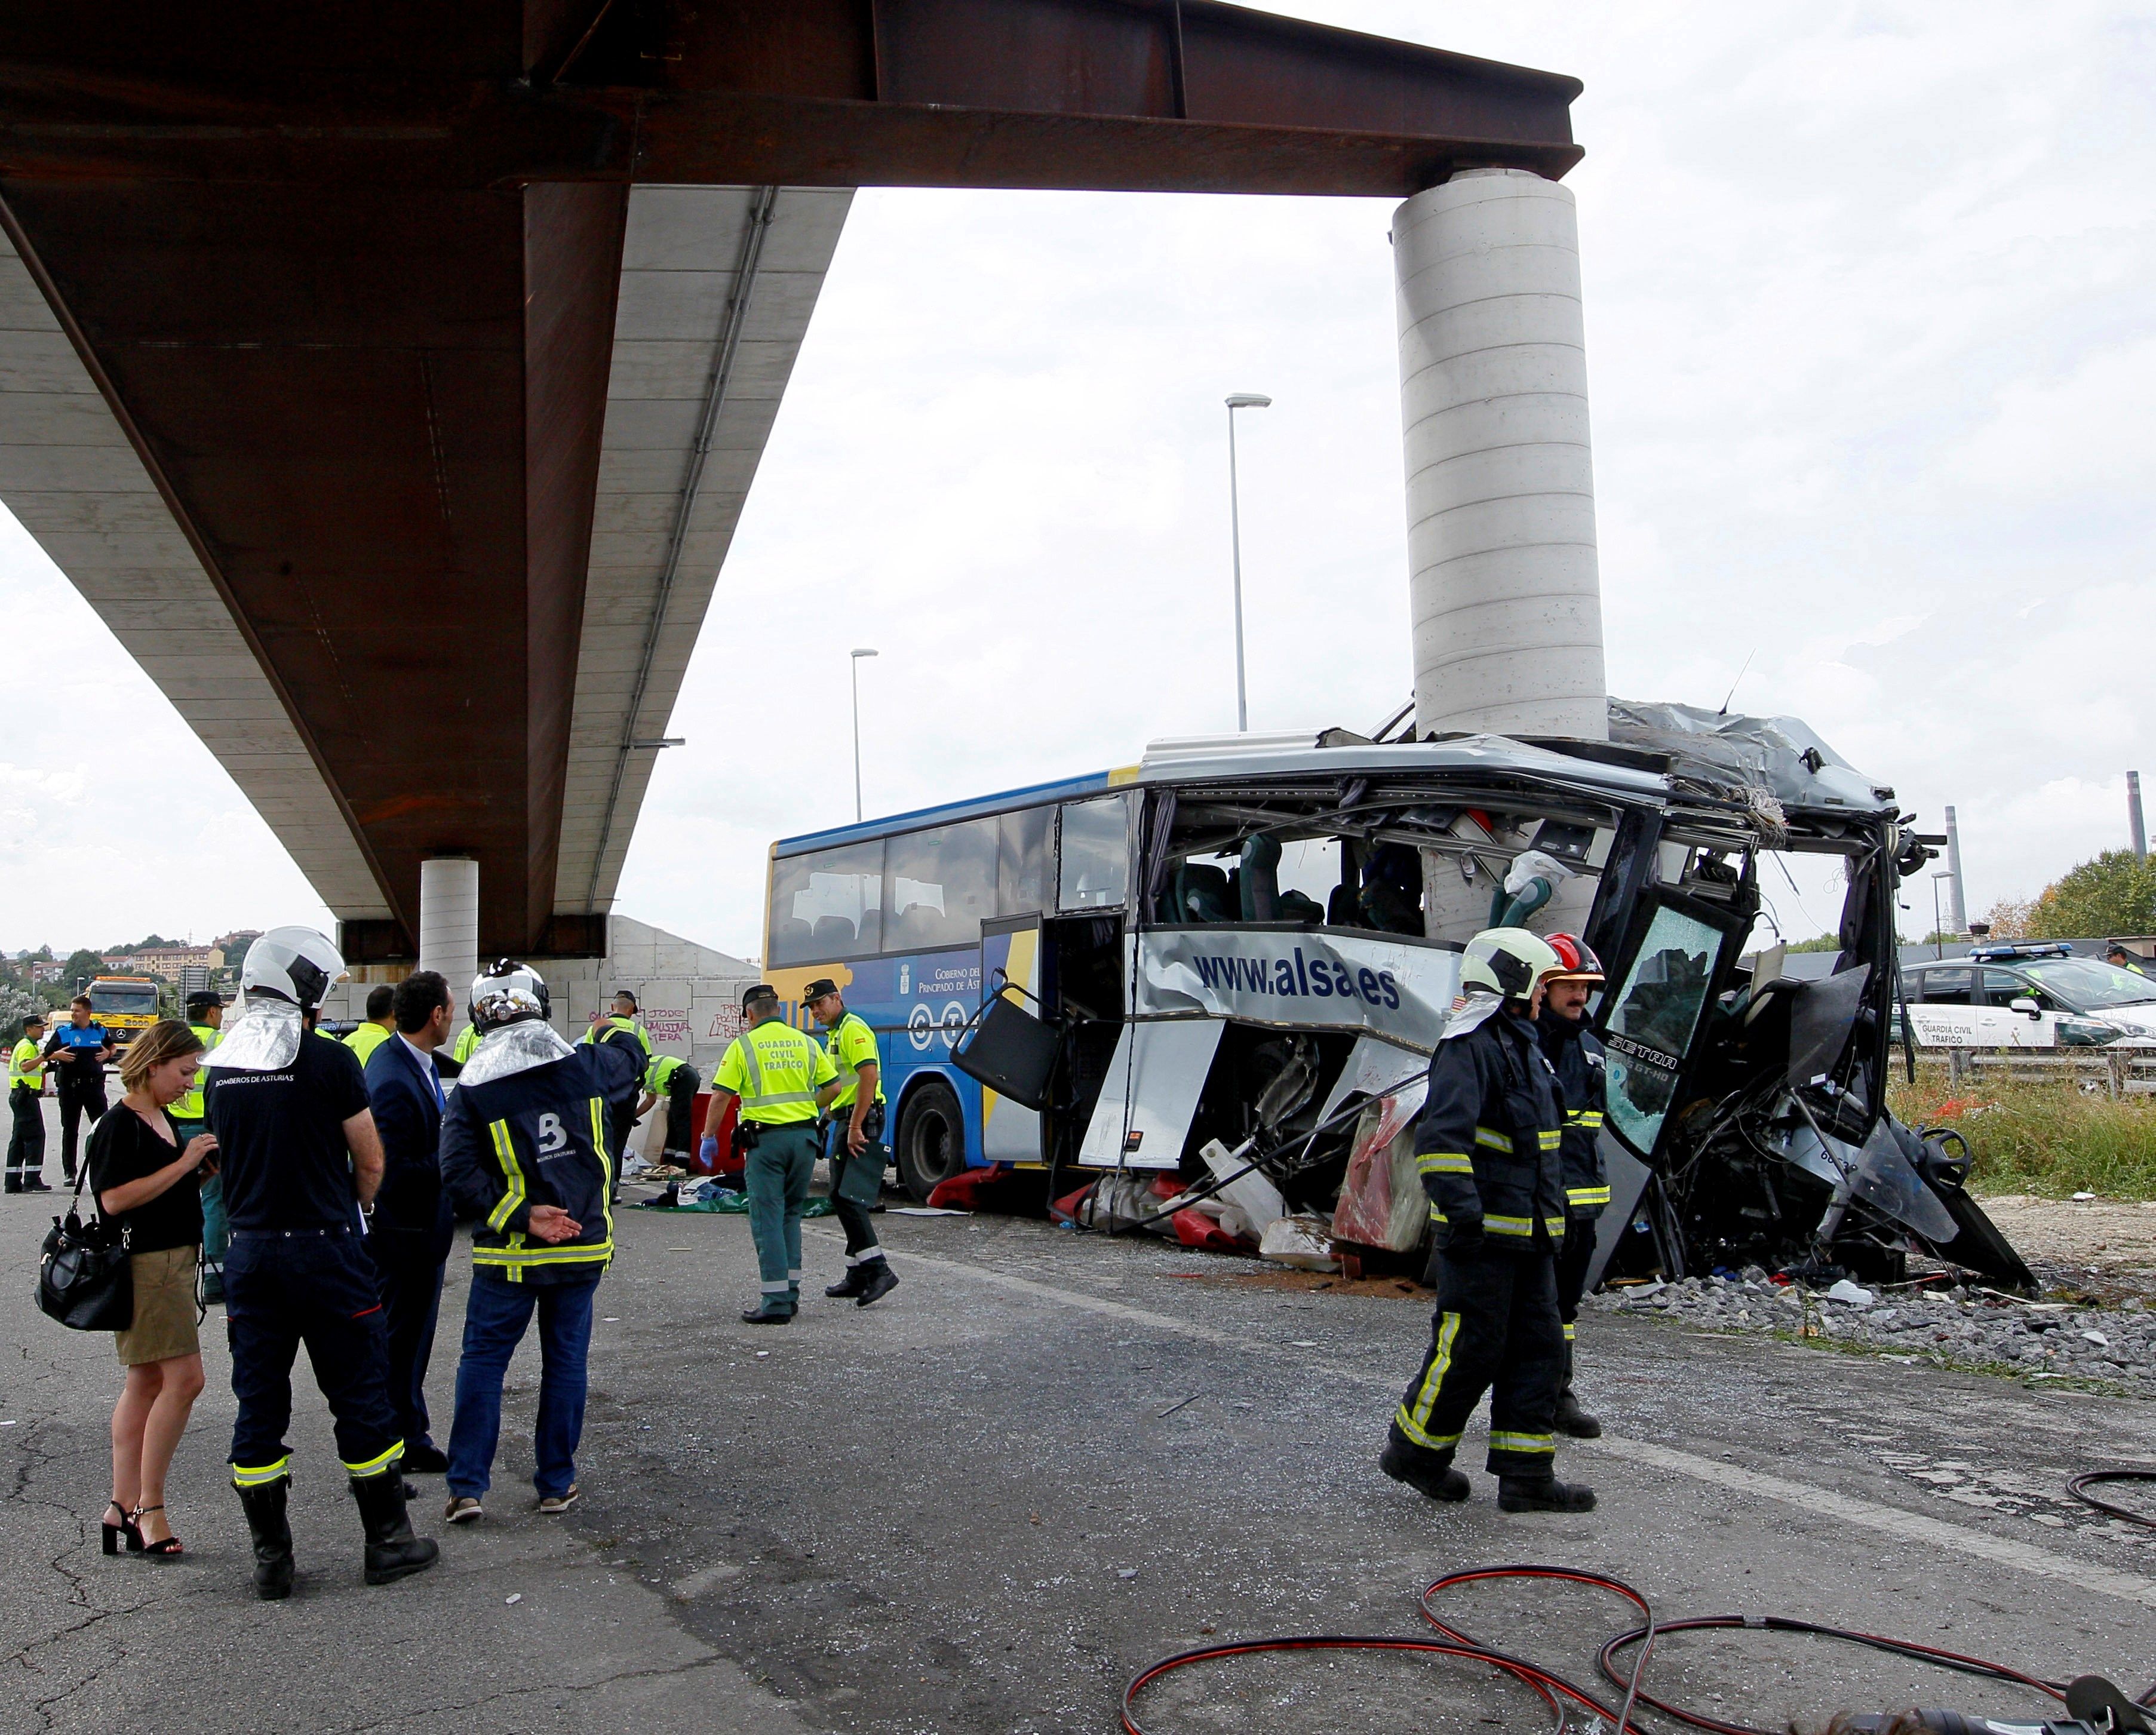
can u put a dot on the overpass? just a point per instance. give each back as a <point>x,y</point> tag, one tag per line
<point>390,376</point>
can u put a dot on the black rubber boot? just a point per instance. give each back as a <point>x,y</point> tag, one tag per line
<point>849,1286</point>
<point>1572,1419</point>
<point>882,1281</point>
<point>1405,1461</point>
<point>1543,1494</point>
<point>392,1551</point>
<point>265,1505</point>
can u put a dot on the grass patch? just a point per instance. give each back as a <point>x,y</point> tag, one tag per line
<point>2039,1136</point>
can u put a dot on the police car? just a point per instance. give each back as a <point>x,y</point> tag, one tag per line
<point>2030,994</point>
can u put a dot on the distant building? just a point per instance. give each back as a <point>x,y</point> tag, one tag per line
<point>167,960</point>
<point>47,969</point>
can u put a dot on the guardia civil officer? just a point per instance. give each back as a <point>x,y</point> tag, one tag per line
<point>1576,1058</point>
<point>26,1106</point>
<point>286,1105</point>
<point>1487,1148</point>
<point>671,1080</point>
<point>206,1018</point>
<point>856,1135</point>
<point>784,1079</point>
<point>525,1159</point>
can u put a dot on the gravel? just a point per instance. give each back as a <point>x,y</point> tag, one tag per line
<point>2043,1343</point>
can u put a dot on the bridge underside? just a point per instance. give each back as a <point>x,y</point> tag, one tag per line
<point>391,376</point>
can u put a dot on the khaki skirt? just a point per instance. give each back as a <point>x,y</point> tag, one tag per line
<point>164,1308</point>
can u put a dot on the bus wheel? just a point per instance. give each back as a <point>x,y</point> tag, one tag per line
<point>932,1139</point>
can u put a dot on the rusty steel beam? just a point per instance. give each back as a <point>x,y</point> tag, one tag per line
<point>346,274</point>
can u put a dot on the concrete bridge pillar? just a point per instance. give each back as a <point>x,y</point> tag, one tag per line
<point>449,924</point>
<point>1506,599</point>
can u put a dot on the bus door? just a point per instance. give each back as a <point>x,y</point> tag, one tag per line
<point>1010,1131</point>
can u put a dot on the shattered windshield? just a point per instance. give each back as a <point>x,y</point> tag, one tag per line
<point>2085,983</point>
<point>1651,1022</point>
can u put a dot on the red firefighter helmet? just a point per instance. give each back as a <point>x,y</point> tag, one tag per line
<point>1580,964</point>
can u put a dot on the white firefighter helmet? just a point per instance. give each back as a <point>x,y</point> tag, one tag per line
<point>293,964</point>
<point>507,992</point>
<point>1508,961</point>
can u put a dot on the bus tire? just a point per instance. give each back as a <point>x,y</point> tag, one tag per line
<point>931,1138</point>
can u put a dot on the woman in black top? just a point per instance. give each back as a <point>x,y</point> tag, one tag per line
<point>145,1179</point>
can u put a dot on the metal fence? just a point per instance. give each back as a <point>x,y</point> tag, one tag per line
<point>2114,1072</point>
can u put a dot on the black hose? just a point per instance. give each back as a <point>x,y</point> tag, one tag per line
<point>2080,1486</point>
<point>1553,1689</point>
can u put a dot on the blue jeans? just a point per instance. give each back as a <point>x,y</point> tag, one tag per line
<point>494,1320</point>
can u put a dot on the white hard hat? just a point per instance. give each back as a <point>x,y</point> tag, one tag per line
<point>507,991</point>
<point>1508,961</point>
<point>295,964</point>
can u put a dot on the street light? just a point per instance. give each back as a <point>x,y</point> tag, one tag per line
<point>854,666</point>
<point>1939,945</point>
<point>1239,400</point>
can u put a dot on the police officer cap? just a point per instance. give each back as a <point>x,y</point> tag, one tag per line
<point>760,991</point>
<point>33,1017</point>
<point>816,990</point>
<point>203,998</point>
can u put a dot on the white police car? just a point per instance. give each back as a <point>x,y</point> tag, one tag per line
<point>2029,994</point>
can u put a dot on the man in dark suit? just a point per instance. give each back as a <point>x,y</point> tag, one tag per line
<point>412,1226</point>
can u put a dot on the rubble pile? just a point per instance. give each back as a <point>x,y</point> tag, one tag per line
<point>1956,1326</point>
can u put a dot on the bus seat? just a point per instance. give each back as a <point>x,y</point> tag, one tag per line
<point>1258,885</point>
<point>1344,907</point>
<point>1201,893</point>
<point>1392,890</point>
<point>917,927</point>
<point>1298,907</point>
<point>832,933</point>
<point>791,938</point>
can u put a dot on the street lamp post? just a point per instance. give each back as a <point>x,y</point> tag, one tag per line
<point>854,665</point>
<point>1239,400</point>
<point>1938,944</point>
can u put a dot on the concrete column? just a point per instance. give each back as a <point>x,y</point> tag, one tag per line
<point>1506,599</point>
<point>1958,910</point>
<point>449,924</point>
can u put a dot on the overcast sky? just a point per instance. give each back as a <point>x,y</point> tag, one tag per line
<point>1871,351</point>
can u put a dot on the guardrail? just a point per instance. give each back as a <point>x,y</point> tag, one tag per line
<point>2117,1072</point>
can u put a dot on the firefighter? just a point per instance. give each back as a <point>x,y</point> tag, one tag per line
<point>1487,1149</point>
<point>286,1106</point>
<point>1576,1057</point>
<point>784,1079</point>
<point>206,1018</point>
<point>526,1157</point>
<point>856,1135</point>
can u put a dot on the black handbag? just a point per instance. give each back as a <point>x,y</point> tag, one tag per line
<point>860,1179</point>
<point>84,1279</point>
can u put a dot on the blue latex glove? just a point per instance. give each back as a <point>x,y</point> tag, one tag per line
<point>707,1152</point>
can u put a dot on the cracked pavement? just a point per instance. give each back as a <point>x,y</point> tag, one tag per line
<point>1044,1461</point>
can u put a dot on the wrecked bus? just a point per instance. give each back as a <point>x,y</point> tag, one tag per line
<point>1251,943</point>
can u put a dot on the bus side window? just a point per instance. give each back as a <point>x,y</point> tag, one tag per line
<point>1022,861</point>
<point>827,906</point>
<point>1095,871</point>
<point>941,884</point>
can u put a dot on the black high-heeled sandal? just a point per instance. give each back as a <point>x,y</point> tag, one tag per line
<point>169,1546</point>
<point>126,1528</point>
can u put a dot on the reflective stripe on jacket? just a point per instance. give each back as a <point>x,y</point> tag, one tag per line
<point>1487,1143</point>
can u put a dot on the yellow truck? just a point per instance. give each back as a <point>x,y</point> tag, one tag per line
<point>126,1006</point>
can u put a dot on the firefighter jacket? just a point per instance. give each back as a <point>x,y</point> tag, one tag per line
<point>1487,1143</point>
<point>538,1137</point>
<point>1576,1057</point>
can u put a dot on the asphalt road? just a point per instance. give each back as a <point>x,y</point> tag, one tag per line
<point>1045,1460</point>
